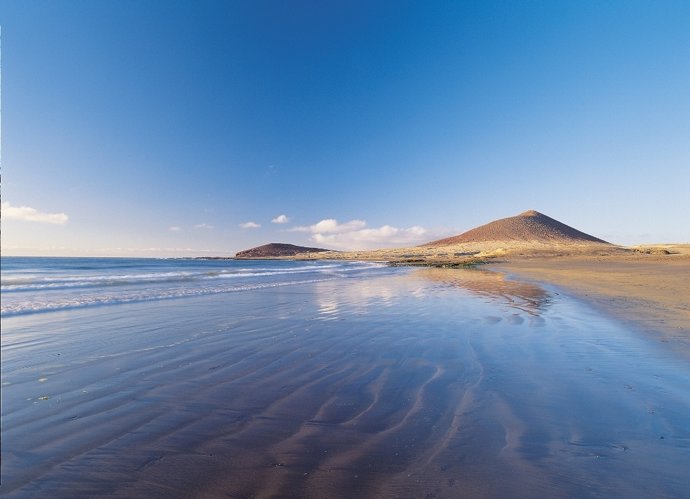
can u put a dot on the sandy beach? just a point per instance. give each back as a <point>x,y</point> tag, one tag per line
<point>345,250</point>
<point>380,382</point>
<point>650,291</point>
<point>647,286</point>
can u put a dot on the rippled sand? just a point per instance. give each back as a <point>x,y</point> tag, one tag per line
<point>429,383</point>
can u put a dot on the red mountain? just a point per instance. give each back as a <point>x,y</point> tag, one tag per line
<point>530,226</point>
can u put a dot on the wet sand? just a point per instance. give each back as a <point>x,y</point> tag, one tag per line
<point>423,383</point>
<point>649,292</point>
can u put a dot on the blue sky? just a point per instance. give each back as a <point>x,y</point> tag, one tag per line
<point>158,128</point>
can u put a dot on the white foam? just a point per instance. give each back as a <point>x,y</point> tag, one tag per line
<point>34,283</point>
<point>81,301</point>
<point>35,293</point>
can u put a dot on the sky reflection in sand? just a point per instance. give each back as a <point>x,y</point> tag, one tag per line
<point>521,295</point>
<point>430,382</point>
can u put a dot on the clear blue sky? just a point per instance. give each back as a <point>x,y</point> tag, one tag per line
<point>160,128</point>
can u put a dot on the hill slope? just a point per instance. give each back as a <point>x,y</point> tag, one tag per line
<point>275,250</point>
<point>528,227</point>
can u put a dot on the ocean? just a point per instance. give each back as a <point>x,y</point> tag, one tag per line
<point>34,285</point>
<point>223,378</point>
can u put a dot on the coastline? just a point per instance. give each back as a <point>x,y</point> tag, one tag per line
<point>404,382</point>
<point>650,292</point>
<point>647,287</point>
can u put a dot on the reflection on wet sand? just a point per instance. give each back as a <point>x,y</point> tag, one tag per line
<point>524,296</point>
<point>396,386</point>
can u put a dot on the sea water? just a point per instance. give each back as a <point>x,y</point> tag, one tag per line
<point>33,285</point>
<point>195,378</point>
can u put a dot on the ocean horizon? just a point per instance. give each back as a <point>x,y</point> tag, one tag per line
<point>205,378</point>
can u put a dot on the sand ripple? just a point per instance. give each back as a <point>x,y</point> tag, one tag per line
<point>397,387</point>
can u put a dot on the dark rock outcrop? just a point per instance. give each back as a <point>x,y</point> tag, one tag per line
<point>276,250</point>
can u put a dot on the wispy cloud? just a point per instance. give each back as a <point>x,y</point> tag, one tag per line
<point>174,228</point>
<point>27,214</point>
<point>203,226</point>
<point>281,219</point>
<point>355,234</point>
<point>250,225</point>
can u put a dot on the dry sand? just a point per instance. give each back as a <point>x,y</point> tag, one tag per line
<point>648,286</point>
<point>650,290</point>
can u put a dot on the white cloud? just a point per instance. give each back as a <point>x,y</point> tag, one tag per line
<point>250,225</point>
<point>27,214</point>
<point>331,226</point>
<point>203,226</point>
<point>281,219</point>
<point>355,235</point>
<point>174,229</point>
<point>384,236</point>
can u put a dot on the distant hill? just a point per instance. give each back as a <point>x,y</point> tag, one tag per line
<point>275,250</point>
<point>528,227</point>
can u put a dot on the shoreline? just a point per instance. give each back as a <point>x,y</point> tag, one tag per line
<point>647,286</point>
<point>416,382</point>
<point>651,294</point>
